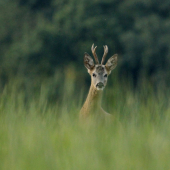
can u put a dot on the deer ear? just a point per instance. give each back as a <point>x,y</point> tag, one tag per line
<point>88,62</point>
<point>111,63</point>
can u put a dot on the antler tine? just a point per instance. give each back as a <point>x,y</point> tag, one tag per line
<point>105,53</point>
<point>93,49</point>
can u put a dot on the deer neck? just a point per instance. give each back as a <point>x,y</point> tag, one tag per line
<point>93,101</point>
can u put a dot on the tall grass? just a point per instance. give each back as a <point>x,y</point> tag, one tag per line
<point>36,133</point>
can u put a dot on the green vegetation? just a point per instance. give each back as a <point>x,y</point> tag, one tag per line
<point>43,84</point>
<point>39,134</point>
<point>38,37</point>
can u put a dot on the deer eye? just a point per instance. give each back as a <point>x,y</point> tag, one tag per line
<point>105,75</point>
<point>94,75</point>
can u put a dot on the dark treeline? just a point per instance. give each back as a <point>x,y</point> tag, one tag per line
<point>40,37</point>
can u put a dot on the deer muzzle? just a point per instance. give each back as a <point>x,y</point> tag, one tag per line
<point>100,85</point>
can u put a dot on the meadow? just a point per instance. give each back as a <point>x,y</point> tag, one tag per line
<point>36,133</point>
<point>43,84</point>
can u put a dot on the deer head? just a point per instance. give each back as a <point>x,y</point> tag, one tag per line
<point>99,72</point>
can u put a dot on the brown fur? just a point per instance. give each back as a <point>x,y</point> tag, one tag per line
<point>92,109</point>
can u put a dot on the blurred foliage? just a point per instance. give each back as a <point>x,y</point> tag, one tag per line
<point>42,84</point>
<point>39,38</point>
<point>38,135</point>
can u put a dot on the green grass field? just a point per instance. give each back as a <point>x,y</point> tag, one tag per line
<point>36,134</point>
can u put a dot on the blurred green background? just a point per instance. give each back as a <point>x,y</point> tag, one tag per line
<point>42,38</point>
<point>43,84</point>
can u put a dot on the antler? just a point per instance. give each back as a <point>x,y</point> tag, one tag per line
<point>105,53</point>
<point>94,53</point>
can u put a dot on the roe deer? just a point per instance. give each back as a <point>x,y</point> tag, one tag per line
<point>99,75</point>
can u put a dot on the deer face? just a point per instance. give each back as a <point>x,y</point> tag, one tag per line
<point>99,77</point>
<point>99,72</point>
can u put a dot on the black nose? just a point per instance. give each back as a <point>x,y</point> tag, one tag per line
<point>100,85</point>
